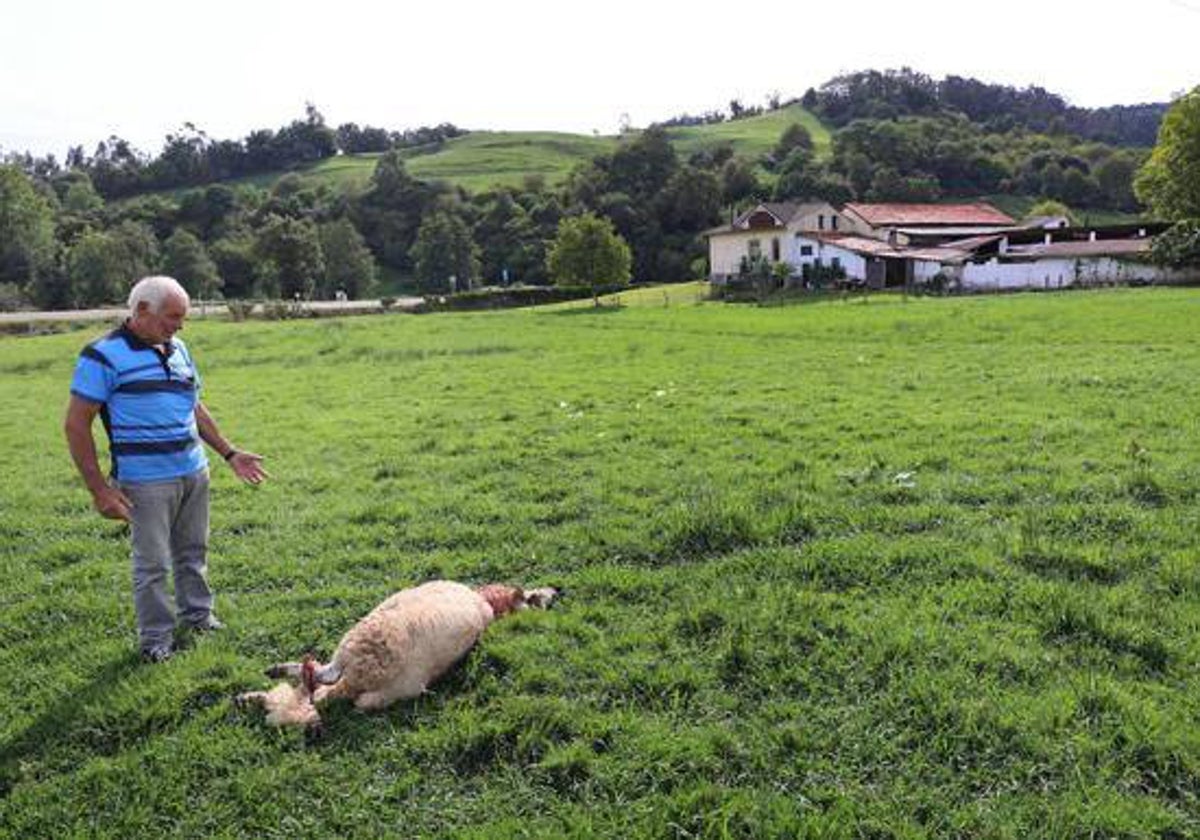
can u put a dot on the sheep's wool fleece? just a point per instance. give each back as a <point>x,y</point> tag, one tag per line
<point>412,638</point>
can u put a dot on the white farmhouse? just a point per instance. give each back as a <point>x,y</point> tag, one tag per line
<point>772,230</point>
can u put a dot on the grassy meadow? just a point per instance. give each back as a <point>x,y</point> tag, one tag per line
<point>485,160</point>
<point>850,568</point>
<point>752,137</point>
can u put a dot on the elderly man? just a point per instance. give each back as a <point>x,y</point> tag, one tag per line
<point>142,382</point>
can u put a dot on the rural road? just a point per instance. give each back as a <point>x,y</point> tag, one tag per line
<point>323,307</point>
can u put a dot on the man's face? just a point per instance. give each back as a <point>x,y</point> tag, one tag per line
<point>158,327</point>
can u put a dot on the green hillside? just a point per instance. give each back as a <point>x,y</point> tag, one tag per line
<point>486,159</point>
<point>753,136</point>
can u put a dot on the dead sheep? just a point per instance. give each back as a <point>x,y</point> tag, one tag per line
<point>395,652</point>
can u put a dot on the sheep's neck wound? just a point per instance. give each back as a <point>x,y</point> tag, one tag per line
<point>308,675</point>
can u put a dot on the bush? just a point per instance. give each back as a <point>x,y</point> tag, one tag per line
<point>11,297</point>
<point>284,310</point>
<point>514,296</point>
<point>239,310</point>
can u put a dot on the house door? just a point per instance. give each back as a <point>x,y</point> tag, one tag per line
<point>899,272</point>
<point>876,275</point>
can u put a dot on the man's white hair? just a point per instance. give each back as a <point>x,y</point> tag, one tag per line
<point>154,291</point>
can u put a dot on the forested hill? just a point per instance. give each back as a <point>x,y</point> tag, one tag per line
<point>875,94</point>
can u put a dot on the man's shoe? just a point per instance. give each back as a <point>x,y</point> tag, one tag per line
<point>157,654</point>
<point>209,625</point>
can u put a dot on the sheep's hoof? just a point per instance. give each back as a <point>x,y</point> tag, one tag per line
<point>246,700</point>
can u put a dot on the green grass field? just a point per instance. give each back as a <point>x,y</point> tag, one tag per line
<point>852,568</point>
<point>485,160</point>
<point>752,137</point>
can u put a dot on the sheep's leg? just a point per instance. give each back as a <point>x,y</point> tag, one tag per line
<point>251,698</point>
<point>285,670</point>
<point>328,674</point>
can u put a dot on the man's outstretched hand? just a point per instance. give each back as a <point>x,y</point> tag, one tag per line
<point>248,467</point>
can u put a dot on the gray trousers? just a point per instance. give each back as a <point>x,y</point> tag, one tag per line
<point>170,530</point>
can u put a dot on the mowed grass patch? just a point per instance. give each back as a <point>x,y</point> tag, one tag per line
<point>849,568</point>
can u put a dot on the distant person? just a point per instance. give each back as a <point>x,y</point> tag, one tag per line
<point>142,382</point>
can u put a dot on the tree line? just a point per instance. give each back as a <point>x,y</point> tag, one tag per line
<point>930,158</point>
<point>890,94</point>
<point>71,236</point>
<point>64,245</point>
<point>190,157</point>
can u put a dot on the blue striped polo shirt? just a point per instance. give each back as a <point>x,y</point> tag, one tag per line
<point>148,399</point>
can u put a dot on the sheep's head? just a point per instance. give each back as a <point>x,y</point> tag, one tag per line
<point>507,599</point>
<point>542,597</point>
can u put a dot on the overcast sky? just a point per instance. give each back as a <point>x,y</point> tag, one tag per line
<point>76,71</point>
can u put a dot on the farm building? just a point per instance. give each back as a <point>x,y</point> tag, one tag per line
<point>1053,258</point>
<point>925,224</point>
<point>970,247</point>
<point>769,230</point>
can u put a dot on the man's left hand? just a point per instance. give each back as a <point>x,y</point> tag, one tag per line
<point>248,467</point>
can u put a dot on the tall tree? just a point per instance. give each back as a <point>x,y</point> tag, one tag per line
<point>738,182</point>
<point>80,196</point>
<point>103,265</point>
<point>390,212</point>
<point>27,245</point>
<point>186,259</point>
<point>587,251</point>
<point>97,270</point>
<point>292,250</point>
<point>349,266</point>
<point>445,256</point>
<point>236,261</point>
<point>1169,182</point>
<point>795,136</point>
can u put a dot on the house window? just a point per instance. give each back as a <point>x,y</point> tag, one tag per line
<point>821,222</point>
<point>835,263</point>
<point>833,222</point>
<point>754,249</point>
<point>806,250</point>
<point>775,250</point>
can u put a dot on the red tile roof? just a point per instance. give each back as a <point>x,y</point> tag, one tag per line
<point>878,215</point>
